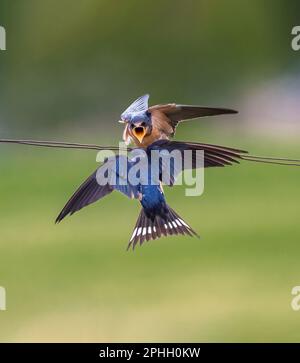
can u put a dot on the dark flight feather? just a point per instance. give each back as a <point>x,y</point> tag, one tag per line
<point>186,112</point>
<point>214,155</point>
<point>88,192</point>
<point>177,113</point>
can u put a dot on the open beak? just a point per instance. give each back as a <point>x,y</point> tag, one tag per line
<point>139,132</point>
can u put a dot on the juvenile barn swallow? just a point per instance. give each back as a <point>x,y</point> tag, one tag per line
<point>150,128</point>
<point>145,124</point>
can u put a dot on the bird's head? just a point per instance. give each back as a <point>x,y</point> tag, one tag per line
<point>139,126</point>
<point>138,119</point>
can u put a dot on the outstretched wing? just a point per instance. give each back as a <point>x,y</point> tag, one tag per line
<point>177,113</point>
<point>140,104</point>
<point>88,192</point>
<point>112,175</point>
<point>213,156</point>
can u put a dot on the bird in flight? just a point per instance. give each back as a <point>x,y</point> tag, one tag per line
<point>150,129</point>
<point>156,218</point>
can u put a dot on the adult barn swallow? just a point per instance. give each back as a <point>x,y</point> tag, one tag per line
<point>145,124</point>
<point>156,218</point>
<point>150,128</point>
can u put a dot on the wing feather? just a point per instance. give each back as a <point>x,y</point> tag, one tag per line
<point>214,155</point>
<point>177,113</point>
<point>140,104</point>
<point>88,192</point>
<point>96,187</point>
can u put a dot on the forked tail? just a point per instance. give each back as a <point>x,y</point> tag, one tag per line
<point>147,229</point>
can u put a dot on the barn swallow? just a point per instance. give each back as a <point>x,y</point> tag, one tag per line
<point>156,218</point>
<point>150,128</point>
<point>144,124</point>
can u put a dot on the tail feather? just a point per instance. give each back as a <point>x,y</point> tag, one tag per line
<point>147,229</point>
<point>184,227</point>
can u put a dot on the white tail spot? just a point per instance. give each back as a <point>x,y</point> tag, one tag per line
<point>133,234</point>
<point>183,222</point>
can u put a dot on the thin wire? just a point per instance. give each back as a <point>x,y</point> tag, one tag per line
<point>270,161</point>
<point>270,158</point>
<point>64,145</point>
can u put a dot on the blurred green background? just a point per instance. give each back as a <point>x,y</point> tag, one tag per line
<point>70,69</point>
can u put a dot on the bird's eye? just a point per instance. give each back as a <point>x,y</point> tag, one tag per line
<point>143,124</point>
